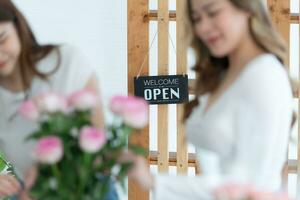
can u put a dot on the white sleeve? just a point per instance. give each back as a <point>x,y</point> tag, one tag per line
<point>262,121</point>
<point>183,187</point>
<point>78,68</point>
<point>262,126</point>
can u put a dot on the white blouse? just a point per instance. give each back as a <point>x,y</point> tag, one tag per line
<point>72,74</point>
<point>242,138</point>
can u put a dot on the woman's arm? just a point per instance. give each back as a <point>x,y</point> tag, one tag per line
<point>98,117</point>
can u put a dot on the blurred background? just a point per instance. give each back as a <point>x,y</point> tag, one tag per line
<point>99,29</point>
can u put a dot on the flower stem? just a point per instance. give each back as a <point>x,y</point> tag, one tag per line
<point>55,172</point>
<point>83,172</point>
<point>87,159</point>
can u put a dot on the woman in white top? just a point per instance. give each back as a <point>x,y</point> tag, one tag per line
<point>241,117</point>
<point>26,70</point>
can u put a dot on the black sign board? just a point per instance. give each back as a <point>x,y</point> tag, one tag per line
<point>171,89</point>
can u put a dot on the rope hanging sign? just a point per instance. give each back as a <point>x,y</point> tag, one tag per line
<point>168,89</point>
<point>172,89</point>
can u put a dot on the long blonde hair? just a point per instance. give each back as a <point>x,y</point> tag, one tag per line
<point>210,70</point>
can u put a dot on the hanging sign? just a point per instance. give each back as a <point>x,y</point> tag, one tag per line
<point>171,89</point>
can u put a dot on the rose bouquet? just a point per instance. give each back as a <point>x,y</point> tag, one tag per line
<point>75,159</point>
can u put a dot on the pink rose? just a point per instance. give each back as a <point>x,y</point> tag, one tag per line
<point>84,100</point>
<point>134,110</point>
<point>48,150</point>
<point>51,102</point>
<point>29,110</point>
<point>116,104</point>
<point>91,139</point>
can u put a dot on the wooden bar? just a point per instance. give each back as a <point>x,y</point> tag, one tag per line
<point>182,152</point>
<point>197,169</point>
<point>152,16</point>
<point>138,46</point>
<point>192,86</point>
<point>163,69</point>
<point>294,18</point>
<point>281,15</point>
<point>292,166</point>
<point>192,162</point>
<point>172,159</point>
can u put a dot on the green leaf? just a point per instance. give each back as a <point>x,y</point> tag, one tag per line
<point>138,150</point>
<point>36,135</point>
<point>3,164</point>
<point>59,123</point>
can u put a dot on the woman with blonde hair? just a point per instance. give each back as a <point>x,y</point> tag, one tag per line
<point>241,117</point>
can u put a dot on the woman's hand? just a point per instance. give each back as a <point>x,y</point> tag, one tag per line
<point>9,186</point>
<point>238,191</point>
<point>30,177</point>
<point>233,191</point>
<point>25,196</point>
<point>140,170</point>
<point>29,181</point>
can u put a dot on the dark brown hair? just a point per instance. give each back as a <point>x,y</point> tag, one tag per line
<point>211,70</point>
<point>31,50</point>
